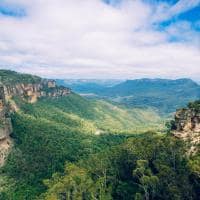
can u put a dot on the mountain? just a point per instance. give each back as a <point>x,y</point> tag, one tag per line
<point>55,144</point>
<point>44,125</point>
<point>21,92</point>
<point>165,95</point>
<point>88,86</point>
<point>162,94</point>
<point>100,82</point>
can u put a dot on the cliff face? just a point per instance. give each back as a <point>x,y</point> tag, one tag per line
<point>187,126</point>
<point>5,128</point>
<point>29,92</point>
<point>32,91</point>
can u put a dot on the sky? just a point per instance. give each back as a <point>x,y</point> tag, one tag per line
<point>103,39</point>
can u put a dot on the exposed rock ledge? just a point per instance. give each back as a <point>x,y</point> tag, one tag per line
<point>31,92</point>
<point>187,126</point>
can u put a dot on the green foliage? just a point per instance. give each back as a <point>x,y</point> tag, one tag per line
<point>8,77</point>
<point>194,165</point>
<point>195,105</point>
<point>107,116</point>
<point>170,125</point>
<point>53,132</point>
<point>145,166</point>
<point>146,180</point>
<point>118,118</point>
<point>64,149</point>
<point>76,183</point>
<point>46,135</point>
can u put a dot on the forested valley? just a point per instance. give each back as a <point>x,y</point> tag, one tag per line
<point>70,147</point>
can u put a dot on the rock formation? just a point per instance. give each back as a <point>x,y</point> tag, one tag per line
<point>5,128</point>
<point>29,92</point>
<point>187,126</point>
<point>32,91</point>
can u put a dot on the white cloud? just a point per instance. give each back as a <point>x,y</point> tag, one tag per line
<point>75,38</point>
<point>183,6</point>
<point>165,11</point>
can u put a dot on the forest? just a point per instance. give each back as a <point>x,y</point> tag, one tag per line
<point>75,148</point>
<point>57,156</point>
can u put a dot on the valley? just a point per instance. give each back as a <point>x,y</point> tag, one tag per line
<point>56,144</point>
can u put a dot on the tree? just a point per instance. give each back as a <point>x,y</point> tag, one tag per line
<point>75,184</point>
<point>146,180</point>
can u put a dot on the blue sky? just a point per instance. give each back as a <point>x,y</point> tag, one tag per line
<point>101,38</point>
<point>11,10</point>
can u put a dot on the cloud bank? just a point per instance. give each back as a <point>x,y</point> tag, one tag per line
<point>94,39</point>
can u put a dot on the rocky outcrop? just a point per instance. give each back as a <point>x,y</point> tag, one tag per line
<point>29,92</point>
<point>5,128</point>
<point>187,126</point>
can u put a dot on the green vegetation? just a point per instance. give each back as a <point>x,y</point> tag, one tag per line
<point>148,166</point>
<point>46,135</point>
<point>195,105</point>
<point>58,156</point>
<point>77,149</point>
<point>107,116</point>
<point>8,77</point>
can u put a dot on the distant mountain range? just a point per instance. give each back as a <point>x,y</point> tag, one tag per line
<point>163,94</point>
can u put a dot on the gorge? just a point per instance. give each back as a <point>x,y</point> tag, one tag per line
<point>49,148</point>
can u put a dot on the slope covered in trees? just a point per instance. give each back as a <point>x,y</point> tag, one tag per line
<point>45,137</point>
<point>52,131</point>
<point>68,147</point>
<point>148,166</point>
<point>12,77</point>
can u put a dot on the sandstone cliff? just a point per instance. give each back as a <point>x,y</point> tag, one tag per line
<point>187,126</point>
<point>29,92</point>
<point>32,91</point>
<point>5,128</point>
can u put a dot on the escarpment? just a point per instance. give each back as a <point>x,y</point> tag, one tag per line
<point>32,91</point>
<point>5,128</point>
<point>27,90</point>
<point>187,126</point>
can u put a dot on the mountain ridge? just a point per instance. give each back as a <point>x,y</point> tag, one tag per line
<point>165,95</point>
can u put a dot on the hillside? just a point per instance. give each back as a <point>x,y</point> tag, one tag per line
<point>106,116</point>
<point>8,77</point>
<point>147,166</point>
<point>63,146</point>
<point>162,94</point>
<point>52,125</point>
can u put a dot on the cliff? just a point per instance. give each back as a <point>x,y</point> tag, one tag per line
<point>28,88</point>
<point>32,91</point>
<point>187,126</point>
<point>5,128</point>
